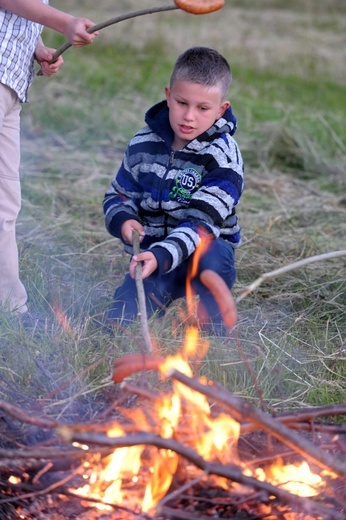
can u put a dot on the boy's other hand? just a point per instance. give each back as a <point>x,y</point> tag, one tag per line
<point>127,229</point>
<point>149,264</point>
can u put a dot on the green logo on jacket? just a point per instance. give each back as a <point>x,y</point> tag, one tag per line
<point>186,183</point>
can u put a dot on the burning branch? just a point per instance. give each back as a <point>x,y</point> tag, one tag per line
<point>244,411</point>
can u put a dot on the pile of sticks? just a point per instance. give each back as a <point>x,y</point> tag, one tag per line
<point>297,434</point>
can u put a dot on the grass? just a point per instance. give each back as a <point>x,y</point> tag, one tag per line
<point>288,349</point>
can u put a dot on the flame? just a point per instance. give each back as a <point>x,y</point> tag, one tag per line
<point>14,480</point>
<point>200,250</point>
<point>295,478</point>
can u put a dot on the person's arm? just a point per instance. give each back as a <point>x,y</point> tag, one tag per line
<point>75,29</point>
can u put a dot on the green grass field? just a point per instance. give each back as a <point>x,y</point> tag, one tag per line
<point>288,93</point>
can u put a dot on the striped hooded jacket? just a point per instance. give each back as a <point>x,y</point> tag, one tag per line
<point>177,195</point>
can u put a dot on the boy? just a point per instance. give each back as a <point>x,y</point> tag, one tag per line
<point>180,180</point>
<point>20,42</point>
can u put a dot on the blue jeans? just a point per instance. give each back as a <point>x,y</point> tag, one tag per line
<point>161,291</point>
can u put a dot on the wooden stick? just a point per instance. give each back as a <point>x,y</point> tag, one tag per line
<point>142,307</point>
<point>21,415</point>
<point>195,7</point>
<point>287,268</point>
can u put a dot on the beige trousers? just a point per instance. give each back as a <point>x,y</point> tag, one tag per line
<point>12,292</point>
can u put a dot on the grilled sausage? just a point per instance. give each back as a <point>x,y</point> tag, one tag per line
<point>222,295</point>
<point>132,363</point>
<point>199,6</point>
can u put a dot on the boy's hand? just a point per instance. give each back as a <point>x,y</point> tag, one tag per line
<point>127,229</point>
<point>44,55</point>
<point>149,264</point>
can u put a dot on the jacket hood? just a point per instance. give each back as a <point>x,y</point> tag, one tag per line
<point>157,118</point>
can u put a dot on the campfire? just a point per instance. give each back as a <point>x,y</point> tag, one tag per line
<point>185,450</point>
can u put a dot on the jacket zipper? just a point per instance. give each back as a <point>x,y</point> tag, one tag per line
<point>171,161</point>
<point>171,158</point>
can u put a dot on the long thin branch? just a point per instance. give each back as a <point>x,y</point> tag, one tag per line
<point>302,419</point>
<point>287,268</point>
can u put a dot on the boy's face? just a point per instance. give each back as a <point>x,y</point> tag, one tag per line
<point>193,108</point>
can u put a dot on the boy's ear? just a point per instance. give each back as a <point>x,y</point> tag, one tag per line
<point>167,92</point>
<point>223,107</point>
